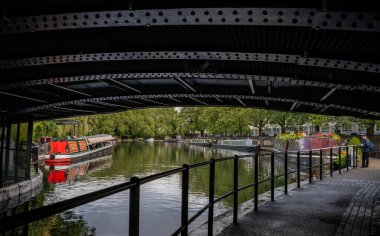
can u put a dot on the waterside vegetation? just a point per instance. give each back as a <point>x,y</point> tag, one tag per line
<point>188,121</point>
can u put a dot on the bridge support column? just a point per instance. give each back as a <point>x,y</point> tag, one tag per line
<point>15,150</point>
<point>2,140</point>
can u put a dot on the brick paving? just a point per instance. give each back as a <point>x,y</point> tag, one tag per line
<point>346,204</point>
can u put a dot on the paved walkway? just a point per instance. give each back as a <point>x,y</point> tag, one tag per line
<point>347,204</point>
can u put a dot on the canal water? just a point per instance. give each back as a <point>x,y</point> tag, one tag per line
<point>160,199</point>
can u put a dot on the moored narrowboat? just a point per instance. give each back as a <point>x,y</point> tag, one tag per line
<point>66,151</point>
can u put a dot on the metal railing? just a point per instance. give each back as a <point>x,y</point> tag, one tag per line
<point>135,182</point>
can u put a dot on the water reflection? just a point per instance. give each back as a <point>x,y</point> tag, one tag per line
<point>160,199</point>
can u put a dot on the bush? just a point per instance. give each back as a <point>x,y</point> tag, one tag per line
<point>343,162</point>
<point>356,141</point>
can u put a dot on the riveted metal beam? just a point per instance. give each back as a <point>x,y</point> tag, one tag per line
<point>193,55</point>
<point>108,104</point>
<point>122,85</point>
<point>132,76</point>
<point>70,90</point>
<point>71,109</point>
<point>241,102</point>
<point>293,106</point>
<point>324,109</point>
<point>23,97</point>
<point>328,94</point>
<point>149,98</point>
<point>184,84</point>
<point>198,101</point>
<point>176,100</point>
<point>251,86</point>
<point>218,99</point>
<point>293,17</point>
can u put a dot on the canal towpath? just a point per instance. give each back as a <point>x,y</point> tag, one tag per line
<point>345,204</point>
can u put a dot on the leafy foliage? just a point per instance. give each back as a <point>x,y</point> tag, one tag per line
<point>212,121</point>
<point>289,137</point>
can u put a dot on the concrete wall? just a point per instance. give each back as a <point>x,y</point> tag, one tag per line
<point>15,190</point>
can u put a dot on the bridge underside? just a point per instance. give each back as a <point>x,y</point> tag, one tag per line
<point>61,59</point>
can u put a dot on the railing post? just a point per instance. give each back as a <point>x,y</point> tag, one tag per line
<point>320,164</point>
<point>331,162</point>
<point>236,163</point>
<point>256,189</point>
<point>310,166</point>
<point>211,197</point>
<point>356,156</point>
<point>286,172</point>
<point>272,176</point>
<point>185,199</point>
<point>36,159</point>
<point>298,170</point>
<point>340,161</point>
<point>347,159</point>
<point>134,207</point>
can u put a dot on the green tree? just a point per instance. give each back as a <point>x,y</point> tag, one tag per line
<point>259,118</point>
<point>286,120</point>
<point>318,121</point>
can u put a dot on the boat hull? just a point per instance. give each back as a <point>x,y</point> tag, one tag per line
<point>201,144</point>
<point>240,148</point>
<point>74,158</point>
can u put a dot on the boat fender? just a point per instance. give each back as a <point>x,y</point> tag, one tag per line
<point>52,157</point>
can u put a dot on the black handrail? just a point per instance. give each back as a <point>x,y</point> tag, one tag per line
<point>135,183</point>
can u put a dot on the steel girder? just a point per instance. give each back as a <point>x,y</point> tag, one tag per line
<point>296,17</point>
<point>132,76</point>
<point>301,20</point>
<point>191,96</point>
<point>180,55</point>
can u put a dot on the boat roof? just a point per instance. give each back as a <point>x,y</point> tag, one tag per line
<point>99,138</point>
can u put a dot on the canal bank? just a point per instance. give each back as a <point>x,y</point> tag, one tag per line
<point>20,192</point>
<point>346,204</point>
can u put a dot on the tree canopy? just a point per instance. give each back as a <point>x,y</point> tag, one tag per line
<point>188,121</point>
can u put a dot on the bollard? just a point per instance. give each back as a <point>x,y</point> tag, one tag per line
<point>320,164</point>
<point>256,189</point>
<point>272,176</point>
<point>236,163</point>
<point>331,162</point>
<point>211,197</point>
<point>134,207</point>
<point>298,170</point>
<point>310,166</point>
<point>286,173</point>
<point>185,199</point>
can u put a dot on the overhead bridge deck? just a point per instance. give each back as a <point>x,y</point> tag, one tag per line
<point>59,58</point>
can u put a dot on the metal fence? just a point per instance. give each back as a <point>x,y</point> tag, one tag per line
<point>324,157</point>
